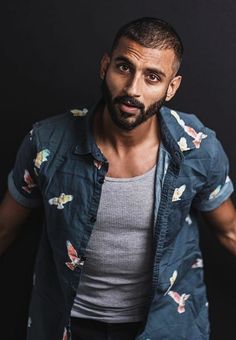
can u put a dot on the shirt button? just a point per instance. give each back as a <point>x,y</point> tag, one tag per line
<point>93,219</point>
<point>101,180</point>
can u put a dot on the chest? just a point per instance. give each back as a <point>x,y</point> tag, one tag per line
<point>131,164</point>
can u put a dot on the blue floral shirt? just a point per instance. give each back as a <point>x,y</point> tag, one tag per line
<point>60,167</point>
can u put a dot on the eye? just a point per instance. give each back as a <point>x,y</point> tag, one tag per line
<point>153,78</point>
<point>123,68</point>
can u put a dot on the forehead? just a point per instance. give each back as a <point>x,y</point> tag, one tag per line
<point>147,57</point>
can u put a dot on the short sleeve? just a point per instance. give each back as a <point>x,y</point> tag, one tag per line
<point>22,180</point>
<point>218,186</point>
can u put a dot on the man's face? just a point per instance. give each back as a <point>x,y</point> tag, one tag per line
<point>136,82</point>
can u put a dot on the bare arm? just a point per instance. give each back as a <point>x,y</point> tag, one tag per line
<point>12,215</point>
<point>223,219</point>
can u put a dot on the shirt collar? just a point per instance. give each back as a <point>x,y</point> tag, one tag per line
<point>176,135</point>
<point>183,135</point>
<point>85,141</point>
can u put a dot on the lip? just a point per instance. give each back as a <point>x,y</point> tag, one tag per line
<point>128,108</point>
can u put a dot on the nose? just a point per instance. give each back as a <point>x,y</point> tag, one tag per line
<point>133,86</point>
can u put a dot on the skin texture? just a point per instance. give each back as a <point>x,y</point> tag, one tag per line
<point>127,73</point>
<point>223,222</point>
<point>136,75</point>
<point>136,82</point>
<point>128,112</point>
<point>12,216</point>
<point>139,76</point>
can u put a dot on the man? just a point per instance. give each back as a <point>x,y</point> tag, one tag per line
<point>120,185</point>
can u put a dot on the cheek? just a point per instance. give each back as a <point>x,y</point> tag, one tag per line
<point>115,83</point>
<point>111,83</point>
<point>154,94</point>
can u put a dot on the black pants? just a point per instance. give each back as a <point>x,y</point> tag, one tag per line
<point>85,329</point>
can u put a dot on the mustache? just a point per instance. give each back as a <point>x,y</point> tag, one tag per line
<point>130,101</point>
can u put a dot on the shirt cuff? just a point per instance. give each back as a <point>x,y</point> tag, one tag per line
<point>21,199</point>
<point>211,204</point>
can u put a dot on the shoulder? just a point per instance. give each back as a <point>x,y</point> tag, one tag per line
<point>177,118</point>
<point>53,122</point>
<point>61,132</point>
<point>62,124</point>
<point>190,133</point>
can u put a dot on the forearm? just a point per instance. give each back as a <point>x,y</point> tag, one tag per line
<point>6,238</point>
<point>228,240</point>
<point>223,222</point>
<point>12,216</point>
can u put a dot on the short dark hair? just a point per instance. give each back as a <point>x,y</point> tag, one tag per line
<point>151,33</point>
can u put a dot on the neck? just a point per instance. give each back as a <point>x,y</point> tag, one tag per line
<point>121,141</point>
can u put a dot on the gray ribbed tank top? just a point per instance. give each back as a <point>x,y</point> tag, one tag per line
<point>116,278</point>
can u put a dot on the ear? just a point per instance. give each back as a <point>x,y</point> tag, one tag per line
<point>104,65</point>
<point>173,87</point>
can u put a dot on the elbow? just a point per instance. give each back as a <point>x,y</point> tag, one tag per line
<point>228,239</point>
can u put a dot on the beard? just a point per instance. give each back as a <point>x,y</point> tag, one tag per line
<point>123,119</point>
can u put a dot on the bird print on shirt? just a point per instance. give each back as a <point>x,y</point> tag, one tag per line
<point>183,144</point>
<point>65,336</point>
<point>215,192</point>
<point>30,185</point>
<point>97,164</point>
<point>76,260</point>
<point>198,263</point>
<point>197,136</point>
<point>179,299</point>
<point>61,200</point>
<point>79,113</point>
<point>172,281</point>
<point>41,157</point>
<point>178,193</point>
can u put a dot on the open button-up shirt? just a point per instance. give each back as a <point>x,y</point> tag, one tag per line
<point>60,166</point>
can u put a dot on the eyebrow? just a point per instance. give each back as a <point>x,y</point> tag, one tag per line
<point>149,69</point>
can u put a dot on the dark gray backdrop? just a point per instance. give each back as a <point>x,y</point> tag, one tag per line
<point>50,59</point>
